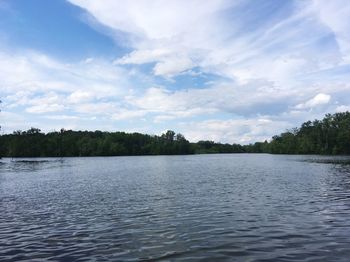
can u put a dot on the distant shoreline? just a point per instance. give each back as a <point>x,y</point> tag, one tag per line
<point>194,154</point>
<point>330,136</point>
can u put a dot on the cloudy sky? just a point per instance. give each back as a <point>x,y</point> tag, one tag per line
<point>230,71</point>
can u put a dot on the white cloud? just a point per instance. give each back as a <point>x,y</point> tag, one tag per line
<point>62,117</point>
<point>36,72</point>
<point>169,32</point>
<point>252,72</point>
<point>335,15</point>
<point>168,64</point>
<point>158,19</point>
<point>50,102</point>
<point>125,114</point>
<point>102,108</point>
<point>80,96</point>
<point>243,131</point>
<point>143,56</point>
<point>174,66</point>
<point>342,108</point>
<point>319,99</point>
<point>42,84</point>
<point>178,35</point>
<point>45,108</point>
<point>251,98</point>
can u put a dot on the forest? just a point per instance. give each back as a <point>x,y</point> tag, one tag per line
<point>66,143</point>
<point>330,135</point>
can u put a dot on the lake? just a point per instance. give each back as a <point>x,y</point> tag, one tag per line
<point>225,207</point>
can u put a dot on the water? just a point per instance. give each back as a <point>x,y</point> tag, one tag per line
<point>176,208</point>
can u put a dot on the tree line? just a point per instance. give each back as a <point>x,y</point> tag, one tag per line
<point>67,143</point>
<point>328,136</point>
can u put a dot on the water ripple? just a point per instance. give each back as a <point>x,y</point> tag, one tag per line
<point>175,208</point>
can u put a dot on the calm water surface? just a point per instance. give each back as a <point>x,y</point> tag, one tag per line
<point>233,207</point>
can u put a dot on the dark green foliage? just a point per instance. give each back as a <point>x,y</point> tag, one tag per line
<point>210,147</point>
<point>33,143</point>
<point>258,147</point>
<point>329,136</point>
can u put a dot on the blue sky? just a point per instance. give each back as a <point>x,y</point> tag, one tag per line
<point>231,71</point>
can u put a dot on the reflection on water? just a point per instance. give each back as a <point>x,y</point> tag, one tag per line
<point>182,208</point>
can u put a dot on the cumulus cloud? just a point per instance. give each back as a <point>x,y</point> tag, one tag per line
<point>238,71</point>
<point>255,97</point>
<point>43,84</point>
<point>37,72</point>
<point>319,99</point>
<point>80,96</point>
<point>167,32</point>
<point>243,131</point>
<point>173,66</point>
<point>180,35</point>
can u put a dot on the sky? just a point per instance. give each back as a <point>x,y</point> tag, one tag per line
<point>230,71</point>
